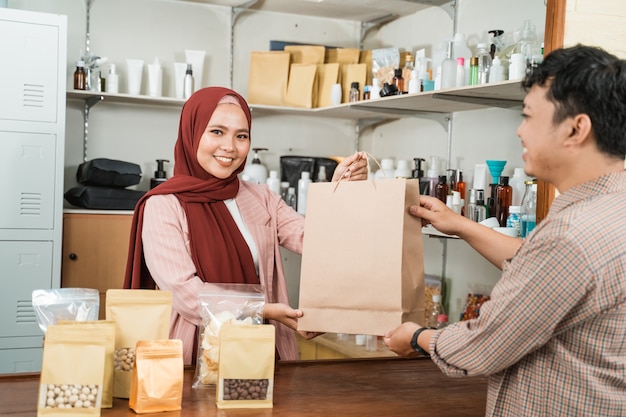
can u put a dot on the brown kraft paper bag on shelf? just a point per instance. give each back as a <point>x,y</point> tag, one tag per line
<point>327,75</point>
<point>302,87</point>
<point>362,260</point>
<point>306,54</point>
<point>349,74</point>
<point>366,58</point>
<point>342,55</point>
<point>157,377</point>
<point>269,74</point>
<point>138,315</point>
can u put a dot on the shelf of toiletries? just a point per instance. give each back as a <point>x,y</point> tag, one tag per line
<point>357,10</point>
<point>506,94</point>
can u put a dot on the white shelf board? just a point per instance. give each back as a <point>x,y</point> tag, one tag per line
<point>357,10</point>
<point>125,98</point>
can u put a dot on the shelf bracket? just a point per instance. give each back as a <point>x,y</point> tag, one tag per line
<point>361,125</point>
<point>441,118</point>
<point>450,8</point>
<point>374,23</point>
<point>234,14</point>
<point>89,103</point>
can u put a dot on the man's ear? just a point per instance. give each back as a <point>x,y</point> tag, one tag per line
<point>580,126</point>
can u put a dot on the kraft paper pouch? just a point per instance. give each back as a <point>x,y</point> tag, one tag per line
<point>342,55</point>
<point>362,260</point>
<point>327,75</point>
<point>302,86</point>
<point>306,54</point>
<point>106,329</point>
<point>269,74</point>
<point>349,74</point>
<point>138,315</point>
<point>246,370</point>
<point>157,377</point>
<point>366,58</point>
<point>72,372</point>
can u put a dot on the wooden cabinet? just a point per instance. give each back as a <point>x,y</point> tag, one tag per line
<point>95,248</point>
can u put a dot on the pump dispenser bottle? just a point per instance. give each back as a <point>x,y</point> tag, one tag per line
<point>256,172</point>
<point>418,173</point>
<point>160,176</point>
<point>188,82</point>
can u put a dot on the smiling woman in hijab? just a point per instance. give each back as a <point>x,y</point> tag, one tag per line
<point>204,225</point>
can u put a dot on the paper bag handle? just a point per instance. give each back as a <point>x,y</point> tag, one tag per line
<point>369,155</point>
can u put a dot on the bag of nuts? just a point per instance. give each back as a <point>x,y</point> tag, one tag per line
<point>157,377</point>
<point>233,304</point>
<point>72,372</point>
<point>246,367</point>
<point>138,315</point>
<point>107,329</point>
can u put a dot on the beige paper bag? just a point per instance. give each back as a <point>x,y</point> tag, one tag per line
<point>306,54</point>
<point>349,74</point>
<point>327,75</point>
<point>302,86</point>
<point>267,81</point>
<point>342,55</point>
<point>362,259</point>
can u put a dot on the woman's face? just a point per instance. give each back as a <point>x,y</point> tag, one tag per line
<point>225,142</point>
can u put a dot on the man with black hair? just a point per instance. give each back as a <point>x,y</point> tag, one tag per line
<point>552,339</point>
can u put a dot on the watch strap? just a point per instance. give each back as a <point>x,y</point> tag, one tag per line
<point>414,344</point>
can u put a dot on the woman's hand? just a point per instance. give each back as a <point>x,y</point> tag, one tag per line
<point>352,168</point>
<point>287,316</point>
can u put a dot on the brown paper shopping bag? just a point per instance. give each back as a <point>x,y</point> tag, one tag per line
<point>362,259</point>
<point>267,81</point>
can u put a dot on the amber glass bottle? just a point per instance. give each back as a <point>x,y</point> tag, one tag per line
<point>442,189</point>
<point>504,196</point>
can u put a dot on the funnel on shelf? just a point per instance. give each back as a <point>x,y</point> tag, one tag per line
<point>495,168</point>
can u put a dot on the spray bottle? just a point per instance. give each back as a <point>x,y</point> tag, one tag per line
<point>256,172</point>
<point>160,176</point>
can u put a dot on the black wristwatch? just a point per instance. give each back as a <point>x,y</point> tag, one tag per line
<point>414,344</point>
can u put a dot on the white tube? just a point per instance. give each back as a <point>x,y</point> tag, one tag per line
<point>196,59</point>
<point>134,75</point>
<point>480,177</point>
<point>155,79</point>
<point>179,78</point>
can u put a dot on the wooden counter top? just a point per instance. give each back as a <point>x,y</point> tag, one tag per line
<point>381,387</point>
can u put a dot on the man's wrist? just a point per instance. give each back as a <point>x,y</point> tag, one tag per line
<point>416,347</point>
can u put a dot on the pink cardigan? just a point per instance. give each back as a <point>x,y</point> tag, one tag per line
<point>166,247</point>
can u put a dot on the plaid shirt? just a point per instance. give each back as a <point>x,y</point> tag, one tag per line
<point>553,337</point>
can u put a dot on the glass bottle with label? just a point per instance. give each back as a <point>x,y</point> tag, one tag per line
<point>529,208</point>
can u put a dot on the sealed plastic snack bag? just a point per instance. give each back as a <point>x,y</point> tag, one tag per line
<point>75,304</point>
<point>232,304</point>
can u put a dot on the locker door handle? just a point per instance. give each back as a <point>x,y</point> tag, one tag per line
<point>73,256</point>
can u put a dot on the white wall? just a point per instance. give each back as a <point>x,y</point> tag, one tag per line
<point>147,29</point>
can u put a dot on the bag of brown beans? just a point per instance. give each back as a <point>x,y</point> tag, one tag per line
<point>157,377</point>
<point>72,372</point>
<point>138,315</point>
<point>246,366</point>
<point>107,329</point>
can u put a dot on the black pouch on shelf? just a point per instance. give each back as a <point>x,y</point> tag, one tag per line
<point>291,168</point>
<point>108,173</point>
<point>103,198</point>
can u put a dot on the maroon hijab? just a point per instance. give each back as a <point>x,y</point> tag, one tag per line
<point>218,249</point>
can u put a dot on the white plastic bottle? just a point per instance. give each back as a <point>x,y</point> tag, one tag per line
<point>188,82</point>
<point>496,74</point>
<point>303,189</point>
<point>517,185</point>
<point>255,171</point>
<point>273,182</point>
<point>375,90</point>
<point>387,170</point>
<point>402,169</point>
<point>448,69</point>
<point>414,83</point>
<point>113,83</point>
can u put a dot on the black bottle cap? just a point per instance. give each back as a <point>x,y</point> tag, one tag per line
<point>355,84</point>
<point>504,180</point>
<point>398,72</point>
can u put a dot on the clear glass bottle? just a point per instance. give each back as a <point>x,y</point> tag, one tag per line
<point>484,63</point>
<point>448,69</point>
<point>291,198</point>
<point>354,92</point>
<point>406,71</point>
<point>435,310</point>
<point>528,212</point>
<point>514,219</point>
<point>321,174</point>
